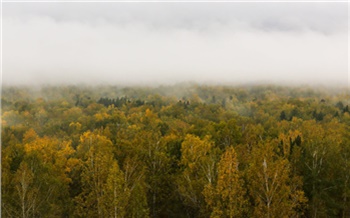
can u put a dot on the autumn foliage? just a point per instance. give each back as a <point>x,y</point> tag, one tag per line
<point>175,151</point>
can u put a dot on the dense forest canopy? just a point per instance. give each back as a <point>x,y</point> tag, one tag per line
<point>175,151</point>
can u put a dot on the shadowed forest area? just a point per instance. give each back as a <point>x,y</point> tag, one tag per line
<point>175,151</point>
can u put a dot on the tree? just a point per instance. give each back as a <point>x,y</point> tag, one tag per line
<point>227,134</point>
<point>27,194</point>
<point>321,155</point>
<point>270,184</point>
<point>283,116</point>
<point>199,162</point>
<point>227,197</point>
<point>117,193</point>
<point>96,159</point>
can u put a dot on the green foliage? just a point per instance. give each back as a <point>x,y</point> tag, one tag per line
<point>176,151</point>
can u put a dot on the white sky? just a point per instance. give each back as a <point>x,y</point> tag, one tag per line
<point>157,43</point>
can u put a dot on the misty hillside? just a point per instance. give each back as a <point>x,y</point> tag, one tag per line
<point>185,150</point>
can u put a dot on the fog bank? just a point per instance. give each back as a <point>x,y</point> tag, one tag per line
<point>167,43</point>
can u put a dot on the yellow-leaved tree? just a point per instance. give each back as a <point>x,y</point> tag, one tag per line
<point>103,193</point>
<point>199,161</point>
<point>227,198</point>
<point>270,185</point>
<point>117,193</point>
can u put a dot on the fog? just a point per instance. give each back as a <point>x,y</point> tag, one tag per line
<point>167,43</point>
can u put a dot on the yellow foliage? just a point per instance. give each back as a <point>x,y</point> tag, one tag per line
<point>30,135</point>
<point>75,125</point>
<point>101,116</point>
<point>193,149</point>
<point>227,198</point>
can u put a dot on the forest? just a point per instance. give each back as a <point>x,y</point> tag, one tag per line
<point>184,150</point>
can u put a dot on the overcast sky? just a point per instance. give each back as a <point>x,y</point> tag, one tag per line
<point>156,43</point>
